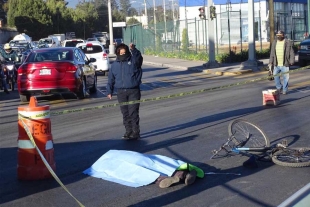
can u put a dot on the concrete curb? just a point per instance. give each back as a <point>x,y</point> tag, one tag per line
<point>165,65</point>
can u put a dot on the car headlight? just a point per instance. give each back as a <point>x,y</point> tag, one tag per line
<point>303,47</point>
<point>10,67</point>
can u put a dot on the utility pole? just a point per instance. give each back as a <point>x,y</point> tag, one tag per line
<point>111,46</point>
<point>212,63</point>
<point>165,20</point>
<point>155,22</point>
<point>271,21</point>
<point>145,10</point>
<point>308,16</point>
<point>251,63</point>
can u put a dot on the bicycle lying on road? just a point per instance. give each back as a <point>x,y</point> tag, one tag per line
<point>248,139</point>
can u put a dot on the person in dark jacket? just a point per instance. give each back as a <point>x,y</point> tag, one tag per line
<point>125,77</point>
<point>281,58</point>
<point>2,76</point>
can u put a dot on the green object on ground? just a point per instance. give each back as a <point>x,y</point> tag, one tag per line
<point>190,167</point>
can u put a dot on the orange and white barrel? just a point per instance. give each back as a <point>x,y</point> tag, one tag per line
<point>30,165</point>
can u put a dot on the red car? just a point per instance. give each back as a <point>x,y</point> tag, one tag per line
<point>56,70</point>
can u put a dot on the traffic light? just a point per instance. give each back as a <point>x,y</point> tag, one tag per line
<point>202,14</point>
<point>212,12</point>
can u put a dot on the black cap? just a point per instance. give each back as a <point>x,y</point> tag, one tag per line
<point>280,32</point>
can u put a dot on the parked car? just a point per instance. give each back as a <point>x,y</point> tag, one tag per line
<point>50,41</point>
<point>304,53</point>
<point>96,50</point>
<point>72,43</point>
<point>92,39</point>
<point>56,70</point>
<point>103,37</point>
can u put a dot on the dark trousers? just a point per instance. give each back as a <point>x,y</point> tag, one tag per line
<point>130,112</point>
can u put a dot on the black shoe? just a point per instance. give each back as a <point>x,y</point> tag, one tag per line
<point>126,135</point>
<point>134,135</point>
<point>6,91</point>
<point>190,177</point>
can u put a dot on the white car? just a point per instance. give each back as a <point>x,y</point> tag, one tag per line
<point>72,43</point>
<point>97,51</point>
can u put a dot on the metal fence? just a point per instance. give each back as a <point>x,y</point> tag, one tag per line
<point>230,32</point>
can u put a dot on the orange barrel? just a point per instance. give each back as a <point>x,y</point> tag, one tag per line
<point>30,166</point>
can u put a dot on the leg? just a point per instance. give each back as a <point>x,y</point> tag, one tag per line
<point>277,79</point>
<point>123,97</point>
<point>286,77</point>
<point>133,110</point>
<point>3,80</point>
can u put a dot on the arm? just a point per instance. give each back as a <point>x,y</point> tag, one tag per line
<point>272,53</point>
<point>110,84</point>
<point>292,54</point>
<point>137,57</point>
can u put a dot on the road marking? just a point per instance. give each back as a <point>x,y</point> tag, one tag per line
<point>59,102</point>
<point>1,105</point>
<point>301,87</point>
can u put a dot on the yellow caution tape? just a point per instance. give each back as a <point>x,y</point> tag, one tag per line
<point>46,163</point>
<point>172,95</point>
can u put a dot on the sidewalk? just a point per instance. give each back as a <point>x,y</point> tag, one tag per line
<point>224,69</point>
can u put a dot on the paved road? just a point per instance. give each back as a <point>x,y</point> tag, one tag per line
<point>186,128</point>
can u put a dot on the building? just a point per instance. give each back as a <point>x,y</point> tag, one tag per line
<point>231,20</point>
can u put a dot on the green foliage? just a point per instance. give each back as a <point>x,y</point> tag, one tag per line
<point>132,21</point>
<point>158,43</point>
<point>184,40</point>
<point>203,56</point>
<point>30,16</point>
<point>125,5</point>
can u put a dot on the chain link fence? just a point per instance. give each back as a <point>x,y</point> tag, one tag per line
<point>231,32</point>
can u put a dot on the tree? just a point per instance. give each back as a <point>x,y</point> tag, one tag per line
<point>132,12</point>
<point>132,21</point>
<point>125,5</point>
<point>30,16</point>
<point>184,40</point>
<point>85,14</point>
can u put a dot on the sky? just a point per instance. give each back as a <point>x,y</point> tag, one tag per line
<point>72,3</point>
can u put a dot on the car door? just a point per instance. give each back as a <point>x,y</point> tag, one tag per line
<point>88,70</point>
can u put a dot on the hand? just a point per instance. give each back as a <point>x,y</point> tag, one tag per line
<point>132,46</point>
<point>109,96</point>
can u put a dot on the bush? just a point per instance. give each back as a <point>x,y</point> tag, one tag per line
<point>231,57</point>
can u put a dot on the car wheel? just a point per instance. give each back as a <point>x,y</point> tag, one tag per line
<point>302,63</point>
<point>24,98</point>
<point>93,89</point>
<point>82,90</point>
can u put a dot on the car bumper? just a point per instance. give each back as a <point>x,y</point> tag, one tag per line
<point>102,66</point>
<point>31,87</point>
<point>304,55</point>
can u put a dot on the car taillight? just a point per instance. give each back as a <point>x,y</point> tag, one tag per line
<point>105,56</point>
<point>72,68</point>
<point>23,70</point>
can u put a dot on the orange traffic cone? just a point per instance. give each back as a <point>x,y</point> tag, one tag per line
<point>30,165</point>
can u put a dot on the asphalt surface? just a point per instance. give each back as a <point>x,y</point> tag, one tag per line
<point>186,128</point>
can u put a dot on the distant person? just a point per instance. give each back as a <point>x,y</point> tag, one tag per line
<point>10,54</point>
<point>2,76</point>
<point>281,58</point>
<point>125,76</point>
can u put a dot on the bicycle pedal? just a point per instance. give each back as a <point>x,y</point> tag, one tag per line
<point>284,142</point>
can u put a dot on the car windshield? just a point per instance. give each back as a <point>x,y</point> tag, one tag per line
<point>91,49</point>
<point>72,43</point>
<point>50,55</point>
<point>47,41</point>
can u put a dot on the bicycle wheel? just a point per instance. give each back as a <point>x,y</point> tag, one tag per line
<point>292,157</point>
<point>247,134</point>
